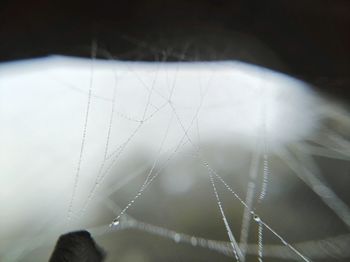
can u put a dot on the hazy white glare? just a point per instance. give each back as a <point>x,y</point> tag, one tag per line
<point>42,105</point>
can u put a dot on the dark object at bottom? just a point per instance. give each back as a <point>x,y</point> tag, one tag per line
<point>77,247</point>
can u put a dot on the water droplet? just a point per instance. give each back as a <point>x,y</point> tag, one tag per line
<point>257,218</point>
<point>115,223</point>
<point>194,241</point>
<point>177,238</point>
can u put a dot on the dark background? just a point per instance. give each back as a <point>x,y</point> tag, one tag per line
<point>309,39</point>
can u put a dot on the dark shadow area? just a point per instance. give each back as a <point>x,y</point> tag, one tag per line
<point>306,39</point>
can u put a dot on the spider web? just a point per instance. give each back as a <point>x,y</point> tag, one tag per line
<point>154,143</point>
